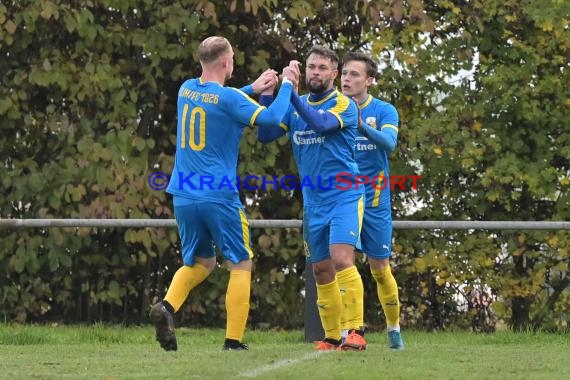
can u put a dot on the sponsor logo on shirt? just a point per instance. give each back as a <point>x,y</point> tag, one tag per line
<point>307,138</point>
<point>363,144</point>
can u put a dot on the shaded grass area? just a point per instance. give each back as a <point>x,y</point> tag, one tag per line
<point>101,352</point>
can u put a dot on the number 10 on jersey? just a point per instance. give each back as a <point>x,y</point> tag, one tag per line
<point>192,128</point>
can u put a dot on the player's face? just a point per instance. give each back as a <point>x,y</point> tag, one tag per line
<point>319,74</point>
<point>354,80</point>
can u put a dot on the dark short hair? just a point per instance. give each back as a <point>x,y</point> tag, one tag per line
<point>371,66</point>
<point>324,51</point>
<point>212,48</point>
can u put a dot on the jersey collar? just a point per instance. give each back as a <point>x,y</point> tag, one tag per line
<point>320,98</point>
<point>366,102</point>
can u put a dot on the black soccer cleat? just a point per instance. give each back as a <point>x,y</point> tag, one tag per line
<point>163,321</point>
<point>234,345</point>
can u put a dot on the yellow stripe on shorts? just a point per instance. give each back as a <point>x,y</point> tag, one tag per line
<point>360,213</point>
<point>245,233</point>
<point>376,199</point>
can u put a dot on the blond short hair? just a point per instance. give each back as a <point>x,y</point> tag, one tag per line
<point>212,48</point>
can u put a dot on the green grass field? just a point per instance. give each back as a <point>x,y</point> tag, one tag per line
<point>98,352</point>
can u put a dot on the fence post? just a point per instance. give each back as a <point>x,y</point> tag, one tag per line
<point>313,327</point>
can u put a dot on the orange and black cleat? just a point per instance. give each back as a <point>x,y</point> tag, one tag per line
<point>326,345</point>
<point>353,342</point>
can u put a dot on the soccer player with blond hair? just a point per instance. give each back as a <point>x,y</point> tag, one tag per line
<point>211,121</point>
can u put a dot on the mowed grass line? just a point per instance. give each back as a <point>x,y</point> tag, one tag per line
<point>99,352</point>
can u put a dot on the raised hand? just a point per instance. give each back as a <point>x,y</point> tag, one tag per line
<point>295,66</point>
<point>265,84</point>
<point>360,124</point>
<point>291,74</point>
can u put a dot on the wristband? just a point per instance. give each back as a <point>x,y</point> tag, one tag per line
<point>286,80</point>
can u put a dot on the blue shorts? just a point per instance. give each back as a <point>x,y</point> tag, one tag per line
<point>376,234</point>
<point>335,223</point>
<point>201,225</point>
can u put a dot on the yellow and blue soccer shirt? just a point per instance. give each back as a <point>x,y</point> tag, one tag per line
<point>371,157</point>
<point>322,157</point>
<point>211,120</point>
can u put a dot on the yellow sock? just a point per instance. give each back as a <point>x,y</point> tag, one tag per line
<point>237,303</point>
<point>344,294</point>
<point>388,295</point>
<point>352,292</point>
<point>329,303</point>
<point>185,279</point>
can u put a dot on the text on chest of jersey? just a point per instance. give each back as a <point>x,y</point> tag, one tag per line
<point>363,144</point>
<point>307,138</point>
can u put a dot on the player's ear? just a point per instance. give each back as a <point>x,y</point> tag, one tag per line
<point>226,60</point>
<point>335,73</point>
<point>369,81</point>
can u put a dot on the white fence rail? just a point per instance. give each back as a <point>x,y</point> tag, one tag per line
<point>293,223</point>
<point>313,327</point>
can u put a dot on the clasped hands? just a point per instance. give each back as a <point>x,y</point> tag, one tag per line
<point>268,80</point>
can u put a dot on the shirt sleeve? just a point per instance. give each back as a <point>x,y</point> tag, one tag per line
<point>266,134</point>
<point>317,120</point>
<point>387,135</point>
<point>345,110</point>
<point>273,115</point>
<point>247,90</point>
<point>265,100</point>
<point>249,109</point>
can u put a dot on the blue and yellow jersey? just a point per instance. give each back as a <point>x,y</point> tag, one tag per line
<point>209,131</point>
<point>322,157</point>
<point>373,160</point>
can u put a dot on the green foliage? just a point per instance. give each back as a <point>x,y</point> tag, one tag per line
<point>88,111</point>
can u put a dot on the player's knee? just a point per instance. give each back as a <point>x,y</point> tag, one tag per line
<point>246,265</point>
<point>209,263</point>
<point>378,264</point>
<point>342,256</point>
<point>341,262</point>
<point>324,272</point>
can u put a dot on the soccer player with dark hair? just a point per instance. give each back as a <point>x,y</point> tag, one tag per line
<point>322,127</point>
<point>208,211</point>
<point>378,124</point>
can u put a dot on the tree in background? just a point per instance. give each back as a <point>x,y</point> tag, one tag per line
<point>87,112</point>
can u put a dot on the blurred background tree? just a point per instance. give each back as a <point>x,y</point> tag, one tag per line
<point>87,112</point>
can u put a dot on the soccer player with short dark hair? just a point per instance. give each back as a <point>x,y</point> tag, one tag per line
<point>379,125</point>
<point>322,127</point>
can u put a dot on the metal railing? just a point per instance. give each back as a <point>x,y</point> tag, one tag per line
<point>313,327</point>
<point>293,223</point>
